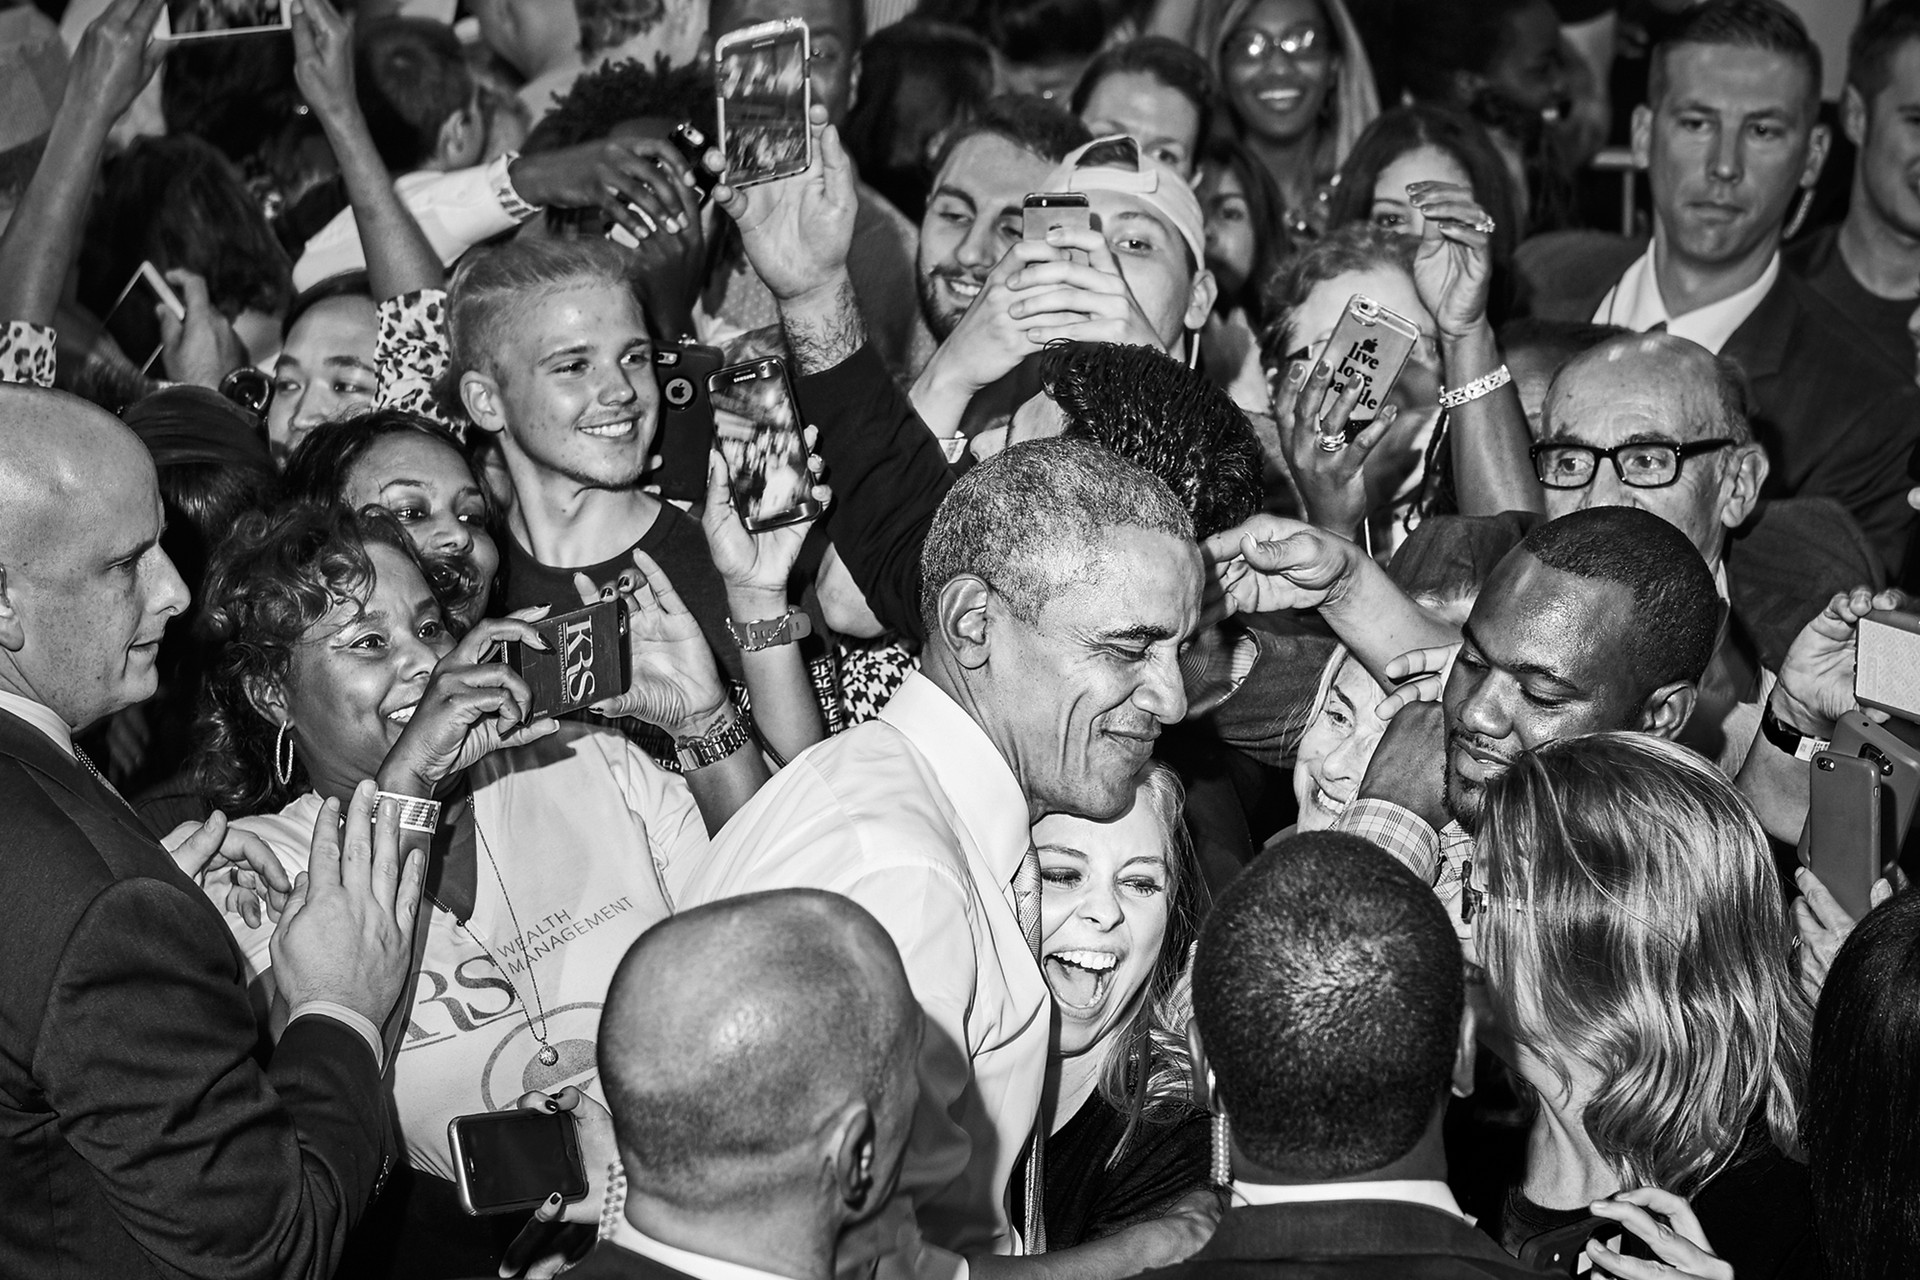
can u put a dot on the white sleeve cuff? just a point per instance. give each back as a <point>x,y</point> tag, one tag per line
<point>340,1013</point>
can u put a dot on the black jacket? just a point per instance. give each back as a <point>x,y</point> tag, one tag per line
<point>1346,1240</point>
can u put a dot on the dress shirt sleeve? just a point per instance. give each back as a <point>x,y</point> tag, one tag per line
<point>358,1022</point>
<point>663,804</point>
<point>27,353</point>
<point>888,479</point>
<point>1399,830</point>
<point>411,355</point>
<point>145,1053</point>
<point>455,210</point>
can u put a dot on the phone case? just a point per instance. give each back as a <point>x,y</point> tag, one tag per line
<point>1371,345</point>
<point>1895,747</point>
<point>1886,673</point>
<point>1563,1251</point>
<point>686,418</point>
<point>692,146</point>
<point>464,1168</point>
<point>1043,211</point>
<point>747,455</point>
<point>1842,843</point>
<point>586,659</point>
<point>764,131</point>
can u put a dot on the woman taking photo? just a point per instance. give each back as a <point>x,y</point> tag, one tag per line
<point>338,664</point>
<point>1636,951</point>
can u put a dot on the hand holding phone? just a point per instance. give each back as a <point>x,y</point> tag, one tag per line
<point>512,1161</point>
<point>686,418</point>
<point>757,425</point>
<point>1368,348</point>
<point>584,661</point>
<point>1044,211</point>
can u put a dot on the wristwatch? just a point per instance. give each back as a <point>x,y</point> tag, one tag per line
<point>767,633</point>
<point>698,753</point>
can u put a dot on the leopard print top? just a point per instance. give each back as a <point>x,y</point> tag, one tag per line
<point>27,353</point>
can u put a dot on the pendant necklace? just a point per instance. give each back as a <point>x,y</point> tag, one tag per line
<point>548,1056</point>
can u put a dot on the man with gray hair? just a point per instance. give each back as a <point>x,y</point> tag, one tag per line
<point>1060,584</point>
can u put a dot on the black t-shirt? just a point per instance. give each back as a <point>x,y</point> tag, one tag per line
<point>1087,1200</point>
<point>1816,259</point>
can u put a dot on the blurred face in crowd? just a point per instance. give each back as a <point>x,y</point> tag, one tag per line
<point>1337,746</point>
<point>1279,65</point>
<point>432,492</point>
<point>834,64</point>
<point>1052,79</point>
<point>1156,263</point>
<point>1543,657</point>
<point>1887,131</point>
<point>1530,68</point>
<point>325,370</point>
<point>1080,693</point>
<point>1391,209</point>
<point>1161,118</point>
<point>1730,141</point>
<point>1103,915</point>
<point>359,672</point>
<point>572,389</point>
<point>973,217</point>
<point>1232,243</point>
<point>87,591</point>
<point>1313,323</point>
<point>1653,391</point>
<point>530,35</point>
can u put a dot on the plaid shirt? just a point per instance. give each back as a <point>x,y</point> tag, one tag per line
<point>1444,859</point>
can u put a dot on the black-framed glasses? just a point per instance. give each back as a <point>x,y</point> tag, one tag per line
<point>1647,464</point>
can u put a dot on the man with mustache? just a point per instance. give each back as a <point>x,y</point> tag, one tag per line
<point>1729,137</point>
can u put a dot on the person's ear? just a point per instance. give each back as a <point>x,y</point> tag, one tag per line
<point>852,1140</point>
<point>1642,136</point>
<point>853,77</point>
<point>1740,485</point>
<point>1465,1051</point>
<point>269,698</point>
<point>456,136</point>
<point>13,630</point>
<point>1666,711</point>
<point>962,613</point>
<point>1200,299</point>
<point>1818,145</point>
<point>481,396</point>
<point>1853,116</point>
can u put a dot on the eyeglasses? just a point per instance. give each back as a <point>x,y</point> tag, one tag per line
<point>1649,464</point>
<point>1302,44</point>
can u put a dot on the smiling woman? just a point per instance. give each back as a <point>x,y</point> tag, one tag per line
<point>1120,908</point>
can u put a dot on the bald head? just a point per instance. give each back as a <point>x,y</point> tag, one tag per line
<point>86,591</point>
<point>738,1035</point>
<point>1673,385</point>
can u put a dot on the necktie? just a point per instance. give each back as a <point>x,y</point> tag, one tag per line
<point>1026,906</point>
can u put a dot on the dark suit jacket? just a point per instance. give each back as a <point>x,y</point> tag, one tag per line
<point>139,1137</point>
<point>1346,1240</point>
<point>1837,418</point>
<point>611,1262</point>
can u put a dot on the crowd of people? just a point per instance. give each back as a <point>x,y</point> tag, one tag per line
<point>1097,782</point>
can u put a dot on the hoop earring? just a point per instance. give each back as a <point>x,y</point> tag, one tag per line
<point>1799,216</point>
<point>283,753</point>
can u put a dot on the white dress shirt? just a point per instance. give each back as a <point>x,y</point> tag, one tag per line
<point>1434,1195</point>
<point>620,1233</point>
<point>1635,302</point>
<point>916,817</point>
<point>456,210</point>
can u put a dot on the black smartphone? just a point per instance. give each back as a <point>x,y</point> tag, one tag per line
<point>586,659</point>
<point>1042,211</point>
<point>764,95</point>
<point>1563,1251</point>
<point>1895,748</point>
<point>131,320</point>
<point>1841,843</point>
<point>511,1161</point>
<point>686,418</point>
<point>757,426</point>
<point>692,146</point>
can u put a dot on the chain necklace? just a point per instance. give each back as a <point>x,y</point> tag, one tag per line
<point>548,1055</point>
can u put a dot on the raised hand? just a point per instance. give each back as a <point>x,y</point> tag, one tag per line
<point>1422,676</point>
<point>675,683</point>
<point>1822,925</point>
<point>1453,269</point>
<point>1094,294</point>
<point>116,57</point>
<point>992,338</point>
<point>755,566</point>
<point>347,936</point>
<point>471,708</point>
<point>1332,482</point>
<point>202,349</point>
<point>797,231</point>
<point>323,59</point>
<point>1268,563</point>
<point>212,851</point>
<point>1816,679</point>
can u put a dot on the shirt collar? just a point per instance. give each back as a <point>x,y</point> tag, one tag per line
<point>972,772</point>
<point>619,1231</point>
<point>40,716</point>
<point>1636,302</point>
<point>1434,1195</point>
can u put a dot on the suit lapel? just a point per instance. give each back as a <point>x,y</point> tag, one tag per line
<point>32,748</point>
<point>1761,342</point>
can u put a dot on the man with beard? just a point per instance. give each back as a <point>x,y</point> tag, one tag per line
<point>1729,136</point>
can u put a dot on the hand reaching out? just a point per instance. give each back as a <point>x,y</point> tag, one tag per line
<point>1816,679</point>
<point>1332,483</point>
<point>1269,563</point>
<point>116,57</point>
<point>755,566</point>
<point>212,853</point>
<point>797,231</point>
<point>323,60</point>
<point>1453,268</point>
<point>1679,1241</point>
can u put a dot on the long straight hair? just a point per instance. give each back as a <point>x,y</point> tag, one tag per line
<point>1635,929</point>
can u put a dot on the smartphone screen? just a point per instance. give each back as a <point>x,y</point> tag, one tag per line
<point>512,1160</point>
<point>205,19</point>
<point>758,431</point>
<point>761,73</point>
<point>133,321</point>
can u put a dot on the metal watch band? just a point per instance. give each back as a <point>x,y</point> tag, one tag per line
<point>415,814</point>
<point>698,753</point>
<point>767,633</point>
<point>1453,399</point>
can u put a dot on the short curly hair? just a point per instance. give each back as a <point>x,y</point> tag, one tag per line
<point>1165,419</point>
<point>622,91</point>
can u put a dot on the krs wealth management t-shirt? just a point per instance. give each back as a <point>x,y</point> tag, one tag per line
<point>581,825</point>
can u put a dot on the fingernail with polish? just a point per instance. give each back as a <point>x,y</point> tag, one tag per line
<point>554,1199</point>
<point>1296,374</point>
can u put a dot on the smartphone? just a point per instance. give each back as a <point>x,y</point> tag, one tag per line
<point>764,94</point>
<point>210,19</point>
<point>586,659</point>
<point>686,418</point>
<point>692,146</point>
<point>1563,1251</point>
<point>1042,211</point>
<point>1886,673</point>
<point>1841,843</point>
<point>131,319</point>
<point>508,1161</point>
<point>1895,748</point>
<point>757,427</point>
<point>1369,345</point>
